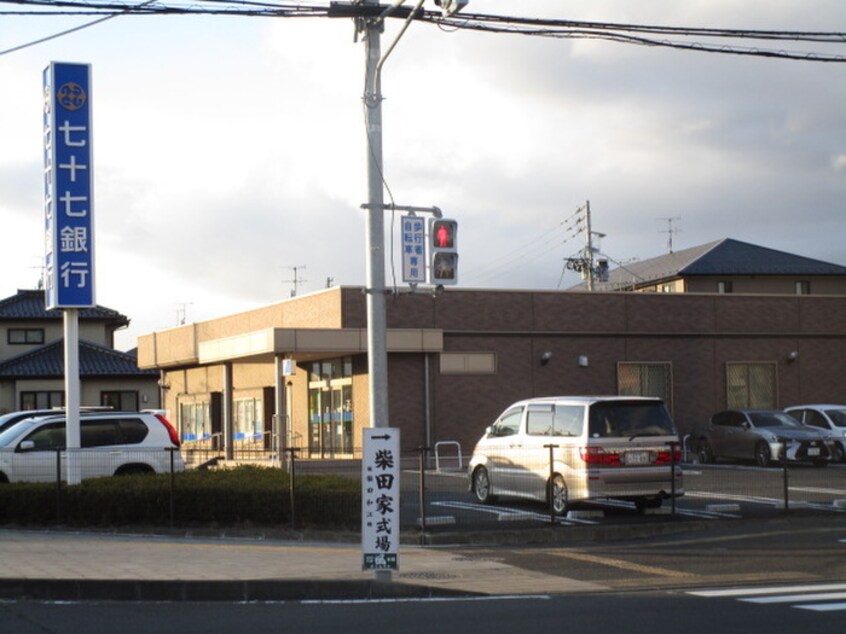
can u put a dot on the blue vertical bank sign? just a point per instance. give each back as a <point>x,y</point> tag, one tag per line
<point>68,190</point>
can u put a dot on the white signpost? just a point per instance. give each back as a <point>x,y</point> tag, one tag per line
<point>380,499</point>
<point>68,220</point>
<point>413,250</point>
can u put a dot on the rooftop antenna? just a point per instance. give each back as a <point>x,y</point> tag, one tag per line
<point>296,281</point>
<point>670,231</point>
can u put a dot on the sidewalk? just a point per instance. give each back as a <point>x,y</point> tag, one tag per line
<point>76,566</point>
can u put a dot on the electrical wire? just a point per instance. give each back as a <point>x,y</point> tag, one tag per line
<point>634,34</point>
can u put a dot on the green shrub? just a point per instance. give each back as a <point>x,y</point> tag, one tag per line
<point>246,496</point>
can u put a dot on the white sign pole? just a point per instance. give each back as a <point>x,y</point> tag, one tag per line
<point>380,501</point>
<point>72,435</point>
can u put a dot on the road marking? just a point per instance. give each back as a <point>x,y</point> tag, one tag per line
<point>757,591</point>
<point>823,607</point>
<point>623,565</point>
<point>819,490</point>
<point>506,514</point>
<point>790,598</point>
<point>817,597</point>
<point>491,597</point>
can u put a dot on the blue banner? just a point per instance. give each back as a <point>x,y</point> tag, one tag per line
<point>68,187</point>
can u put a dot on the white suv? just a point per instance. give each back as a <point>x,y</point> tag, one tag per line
<point>579,448</point>
<point>112,443</point>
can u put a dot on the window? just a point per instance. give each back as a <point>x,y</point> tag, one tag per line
<point>815,419</point>
<point>48,437</point>
<point>248,418</point>
<point>751,385</point>
<point>629,418</point>
<point>195,420</point>
<point>42,400</point>
<point>725,287</point>
<point>560,420</point>
<point>122,401</point>
<point>803,287</point>
<point>26,336</point>
<point>509,423</point>
<point>646,379</point>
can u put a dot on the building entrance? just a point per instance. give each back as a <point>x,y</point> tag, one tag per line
<point>330,409</point>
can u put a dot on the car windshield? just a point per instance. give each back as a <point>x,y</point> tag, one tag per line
<point>772,419</point>
<point>630,418</point>
<point>837,416</point>
<point>14,430</point>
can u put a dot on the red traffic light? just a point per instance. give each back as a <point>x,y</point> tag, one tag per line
<point>442,234</point>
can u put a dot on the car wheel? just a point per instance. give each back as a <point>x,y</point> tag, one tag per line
<point>706,454</point>
<point>560,495</point>
<point>838,454</point>
<point>134,469</point>
<point>641,504</point>
<point>482,486</point>
<point>762,454</point>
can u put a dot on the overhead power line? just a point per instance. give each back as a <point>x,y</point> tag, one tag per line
<point>707,40</point>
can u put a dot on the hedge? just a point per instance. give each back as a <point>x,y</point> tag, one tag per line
<point>245,496</point>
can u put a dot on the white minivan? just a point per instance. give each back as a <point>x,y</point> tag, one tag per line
<point>577,448</point>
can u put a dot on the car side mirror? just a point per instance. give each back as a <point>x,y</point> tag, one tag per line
<point>489,431</point>
<point>745,424</point>
<point>26,445</point>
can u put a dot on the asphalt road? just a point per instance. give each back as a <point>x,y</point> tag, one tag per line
<point>633,613</point>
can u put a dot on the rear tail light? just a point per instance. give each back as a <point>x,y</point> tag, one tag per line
<point>171,430</point>
<point>665,457</point>
<point>598,456</point>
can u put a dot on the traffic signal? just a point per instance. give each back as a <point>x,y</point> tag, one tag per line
<point>443,251</point>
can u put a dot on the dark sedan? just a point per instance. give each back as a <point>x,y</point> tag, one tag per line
<point>763,436</point>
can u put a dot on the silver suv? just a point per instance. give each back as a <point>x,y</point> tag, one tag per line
<point>571,448</point>
<point>112,443</point>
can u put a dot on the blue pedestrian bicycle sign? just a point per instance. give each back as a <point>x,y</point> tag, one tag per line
<point>68,187</point>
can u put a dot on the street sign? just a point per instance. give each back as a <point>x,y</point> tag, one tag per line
<point>68,187</point>
<point>380,498</point>
<point>413,250</point>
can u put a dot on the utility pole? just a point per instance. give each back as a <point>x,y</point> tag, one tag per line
<point>589,247</point>
<point>377,349</point>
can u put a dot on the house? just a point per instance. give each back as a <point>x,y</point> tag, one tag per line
<point>32,358</point>
<point>727,266</point>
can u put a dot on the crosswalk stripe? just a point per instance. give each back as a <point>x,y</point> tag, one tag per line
<point>758,591</point>
<point>790,598</point>
<point>823,607</point>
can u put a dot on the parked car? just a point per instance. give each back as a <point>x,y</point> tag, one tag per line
<point>9,419</point>
<point>579,448</point>
<point>829,417</point>
<point>112,443</point>
<point>761,435</point>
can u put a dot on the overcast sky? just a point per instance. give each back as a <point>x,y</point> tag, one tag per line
<point>228,150</point>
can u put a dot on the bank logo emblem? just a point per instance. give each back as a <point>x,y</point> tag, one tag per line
<point>71,96</point>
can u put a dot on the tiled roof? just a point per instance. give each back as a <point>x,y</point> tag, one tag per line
<point>94,361</point>
<point>29,304</point>
<point>723,257</point>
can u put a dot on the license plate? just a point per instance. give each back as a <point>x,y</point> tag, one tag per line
<point>813,451</point>
<point>637,457</point>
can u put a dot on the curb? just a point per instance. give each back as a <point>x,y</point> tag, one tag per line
<point>259,590</point>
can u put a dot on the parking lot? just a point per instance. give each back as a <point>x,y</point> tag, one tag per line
<point>712,492</point>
